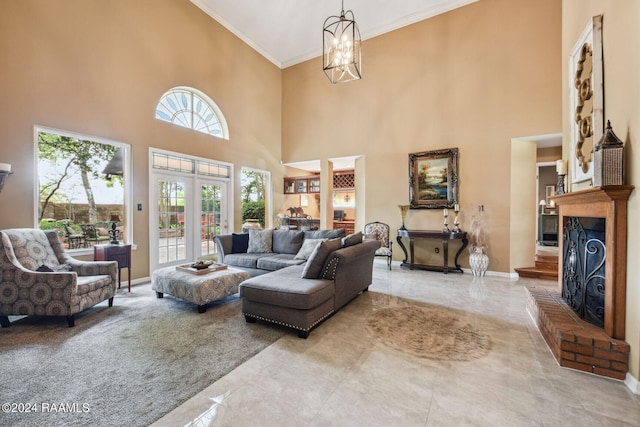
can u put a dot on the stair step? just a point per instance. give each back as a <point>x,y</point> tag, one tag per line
<point>547,265</point>
<point>535,273</point>
<point>547,258</point>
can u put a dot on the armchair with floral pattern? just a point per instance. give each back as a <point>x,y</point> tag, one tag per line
<point>37,277</point>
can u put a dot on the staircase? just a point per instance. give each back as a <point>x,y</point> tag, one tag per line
<point>546,267</point>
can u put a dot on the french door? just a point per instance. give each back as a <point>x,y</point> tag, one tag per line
<point>186,212</point>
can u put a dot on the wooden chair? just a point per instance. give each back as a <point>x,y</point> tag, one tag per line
<point>380,232</point>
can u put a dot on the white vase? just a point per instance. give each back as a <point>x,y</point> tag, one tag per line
<point>478,261</point>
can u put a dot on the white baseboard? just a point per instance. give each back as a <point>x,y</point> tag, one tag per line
<point>632,383</point>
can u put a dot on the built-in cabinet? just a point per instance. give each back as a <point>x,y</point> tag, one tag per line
<point>342,180</point>
<point>302,185</point>
<point>343,193</point>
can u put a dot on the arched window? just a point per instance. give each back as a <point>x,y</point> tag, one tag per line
<point>190,108</point>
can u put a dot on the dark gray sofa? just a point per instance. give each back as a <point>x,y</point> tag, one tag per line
<point>302,295</point>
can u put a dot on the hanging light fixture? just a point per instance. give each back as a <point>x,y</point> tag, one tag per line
<point>341,48</point>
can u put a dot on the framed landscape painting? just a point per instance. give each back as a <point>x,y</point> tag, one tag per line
<point>433,179</point>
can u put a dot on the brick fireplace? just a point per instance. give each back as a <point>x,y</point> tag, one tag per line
<point>574,342</point>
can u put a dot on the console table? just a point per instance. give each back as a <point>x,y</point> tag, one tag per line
<point>432,234</point>
<point>120,253</point>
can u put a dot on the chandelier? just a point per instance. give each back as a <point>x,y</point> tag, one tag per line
<point>341,48</point>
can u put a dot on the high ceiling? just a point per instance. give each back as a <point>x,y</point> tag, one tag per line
<point>290,31</point>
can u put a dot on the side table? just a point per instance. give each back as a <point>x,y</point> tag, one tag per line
<point>444,237</point>
<point>120,253</point>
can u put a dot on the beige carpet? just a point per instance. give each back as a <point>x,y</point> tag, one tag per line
<point>430,332</point>
<point>125,365</point>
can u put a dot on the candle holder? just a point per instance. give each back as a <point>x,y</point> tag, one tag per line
<point>446,222</point>
<point>3,177</point>
<point>456,221</point>
<point>560,185</point>
<point>403,214</point>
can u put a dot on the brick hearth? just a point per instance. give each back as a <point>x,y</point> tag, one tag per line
<point>575,343</point>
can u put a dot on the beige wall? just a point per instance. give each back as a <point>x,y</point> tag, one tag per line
<point>99,67</point>
<point>524,204</point>
<point>472,78</point>
<point>621,57</point>
<point>548,154</point>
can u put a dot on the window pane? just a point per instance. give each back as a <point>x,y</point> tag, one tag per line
<point>185,107</point>
<point>81,187</point>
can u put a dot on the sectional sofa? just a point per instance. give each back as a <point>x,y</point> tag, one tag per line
<point>298,278</point>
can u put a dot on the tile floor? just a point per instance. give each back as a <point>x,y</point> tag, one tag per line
<point>340,375</point>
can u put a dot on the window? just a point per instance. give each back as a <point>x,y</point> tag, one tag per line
<point>190,108</point>
<point>82,186</point>
<point>255,195</point>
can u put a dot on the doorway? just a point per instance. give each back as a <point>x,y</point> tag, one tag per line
<point>189,206</point>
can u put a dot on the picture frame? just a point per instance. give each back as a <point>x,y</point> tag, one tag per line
<point>433,179</point>
<point>549,192</point>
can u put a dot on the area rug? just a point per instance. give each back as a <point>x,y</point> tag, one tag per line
<point>429,332</point>
<point>129,364</point>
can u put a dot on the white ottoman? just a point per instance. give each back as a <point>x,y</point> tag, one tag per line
<point>198,289</point>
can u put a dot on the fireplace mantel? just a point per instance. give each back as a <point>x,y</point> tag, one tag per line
<point>610,203</point>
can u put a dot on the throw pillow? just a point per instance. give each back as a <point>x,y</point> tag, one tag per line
<point>260,241</point>
<point>307,248</point>
<point>313,267</point>
<point>287,241</point>
<point>324,234</point>
<point>372,236</point>
<point>240,243</point>
<point>352,239</point>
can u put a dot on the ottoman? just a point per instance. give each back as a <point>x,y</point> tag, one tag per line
<point>197,289</point>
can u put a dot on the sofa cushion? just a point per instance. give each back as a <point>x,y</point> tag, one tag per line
<point>277,261</point>
<point>324,234</point>
<point>287,241</point>
<point>260,241</point>
<point>307,248</point>
<point>285,289</point>
<point>240,243</point>
<point>352,239</point>
<point>244,260</point>
<point>313,267</point>
<point>88,284</point>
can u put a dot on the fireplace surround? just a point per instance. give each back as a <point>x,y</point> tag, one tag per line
<point>574,342</point>
<point>610,204</point>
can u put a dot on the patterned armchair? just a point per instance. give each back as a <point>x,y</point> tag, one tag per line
<point>37,277</point>
<point>380,232</point>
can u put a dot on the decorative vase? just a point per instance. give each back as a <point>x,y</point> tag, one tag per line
<point>251,224</point>
<point>478,261</point>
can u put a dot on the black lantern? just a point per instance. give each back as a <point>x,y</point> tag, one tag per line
<point>608,160</point>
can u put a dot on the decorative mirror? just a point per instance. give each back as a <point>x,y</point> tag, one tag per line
<point>587,103</point>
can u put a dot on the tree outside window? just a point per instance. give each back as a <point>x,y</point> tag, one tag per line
<point>253,195</point>
<point>76,196</point>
